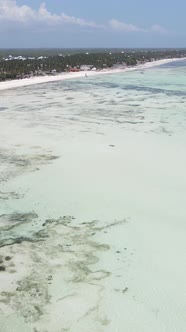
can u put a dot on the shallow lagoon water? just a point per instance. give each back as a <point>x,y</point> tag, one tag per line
<point>92,204</point>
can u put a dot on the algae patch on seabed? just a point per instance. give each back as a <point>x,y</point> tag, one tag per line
<point>17,228</point>
<point>13,164</point>
<point>4,196</point>
<point>60,269</point>
<point>10,221</point>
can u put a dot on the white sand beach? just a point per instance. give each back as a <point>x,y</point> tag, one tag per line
<point>64,76</point>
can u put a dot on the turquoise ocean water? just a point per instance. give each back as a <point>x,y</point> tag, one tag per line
<point>92,203</point>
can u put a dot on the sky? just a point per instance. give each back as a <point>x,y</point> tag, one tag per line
<point>92,23</point>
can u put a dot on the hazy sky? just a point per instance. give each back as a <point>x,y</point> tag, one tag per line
<point>93,23</point>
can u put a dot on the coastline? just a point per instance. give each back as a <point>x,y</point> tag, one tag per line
<point>12,84</point>
<point>92,206</point>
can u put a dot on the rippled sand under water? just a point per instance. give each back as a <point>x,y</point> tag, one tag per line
<point>92,204</point>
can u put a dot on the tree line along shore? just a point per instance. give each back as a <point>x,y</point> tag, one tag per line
<point>19,64</point>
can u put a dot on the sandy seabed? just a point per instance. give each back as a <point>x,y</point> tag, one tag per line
<point>92,205</point>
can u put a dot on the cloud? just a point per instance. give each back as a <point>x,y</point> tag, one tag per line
<point>121,26</point>
<point>124,27</point>
<point>11,12</point>
<point>159,29</point>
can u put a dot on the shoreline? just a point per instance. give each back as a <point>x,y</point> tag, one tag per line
<point>13,84</point>
<point>92,205</point>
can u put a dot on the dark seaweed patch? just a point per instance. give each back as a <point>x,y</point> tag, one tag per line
<point>14,219</point>
<point>17,164</point>
<point>3,109</point>
<point>9,195</point>
<point>9,228</point>
<point>2,268</point>
<point>63,241</point>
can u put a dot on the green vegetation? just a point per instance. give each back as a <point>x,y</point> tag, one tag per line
<point>35,62</point>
